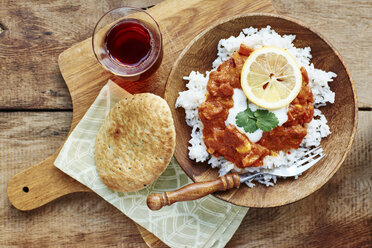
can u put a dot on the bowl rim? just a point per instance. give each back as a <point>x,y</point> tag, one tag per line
<point>355,120</point>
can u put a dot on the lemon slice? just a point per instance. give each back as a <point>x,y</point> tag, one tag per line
<point>271,78</point>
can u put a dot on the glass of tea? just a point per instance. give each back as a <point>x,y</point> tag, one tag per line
<point>127,42</point>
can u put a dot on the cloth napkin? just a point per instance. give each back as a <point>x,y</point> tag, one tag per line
<point>207,222</point>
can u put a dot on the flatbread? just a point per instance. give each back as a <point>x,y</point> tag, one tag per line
<point>135,143</point>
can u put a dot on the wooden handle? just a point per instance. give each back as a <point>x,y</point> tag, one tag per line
<point>41,184</point>
<point>193,191</point>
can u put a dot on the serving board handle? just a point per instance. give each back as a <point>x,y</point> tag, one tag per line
<point>40,184</point>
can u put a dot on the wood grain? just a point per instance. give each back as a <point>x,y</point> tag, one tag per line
<point>348,26</point>
<point>150,239</point>
<point>34,35</point>
<point>341,116</point>
<point>77,218</point>
<point>29,190</point>
<point>338,215</point>
<point>85,77</point>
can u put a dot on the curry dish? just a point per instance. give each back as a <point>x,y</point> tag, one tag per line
<point>228,141</point>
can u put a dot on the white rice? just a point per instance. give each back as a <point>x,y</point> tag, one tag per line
<point>195,95</point>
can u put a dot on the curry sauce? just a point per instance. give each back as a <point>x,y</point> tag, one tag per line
<point>228,141</point>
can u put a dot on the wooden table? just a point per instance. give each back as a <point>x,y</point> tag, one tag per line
<point>36,112</point>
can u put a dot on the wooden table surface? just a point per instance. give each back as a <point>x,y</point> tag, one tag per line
<point>36,112</point>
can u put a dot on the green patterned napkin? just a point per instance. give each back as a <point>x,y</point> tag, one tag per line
<point>207,222</point>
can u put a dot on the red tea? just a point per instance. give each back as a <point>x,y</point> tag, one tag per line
<point>129,42</point>
<point>131,49</point>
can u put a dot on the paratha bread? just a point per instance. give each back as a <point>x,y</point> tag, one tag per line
<point>135,143</point>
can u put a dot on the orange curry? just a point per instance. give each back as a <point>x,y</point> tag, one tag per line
<point>228,141</point>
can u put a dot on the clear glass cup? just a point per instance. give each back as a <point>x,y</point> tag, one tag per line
<point>128,43</point>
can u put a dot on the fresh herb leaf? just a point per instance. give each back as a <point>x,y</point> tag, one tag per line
<point>247,120</point>
<point>266,121</point>
<point>260,119</point>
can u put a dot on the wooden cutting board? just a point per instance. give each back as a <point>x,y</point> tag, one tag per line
<point>179,21</point>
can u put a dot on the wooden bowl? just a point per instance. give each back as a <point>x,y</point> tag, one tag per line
<point>341,116</point>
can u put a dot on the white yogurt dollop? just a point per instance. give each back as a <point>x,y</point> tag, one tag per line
<point>240,104</point>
